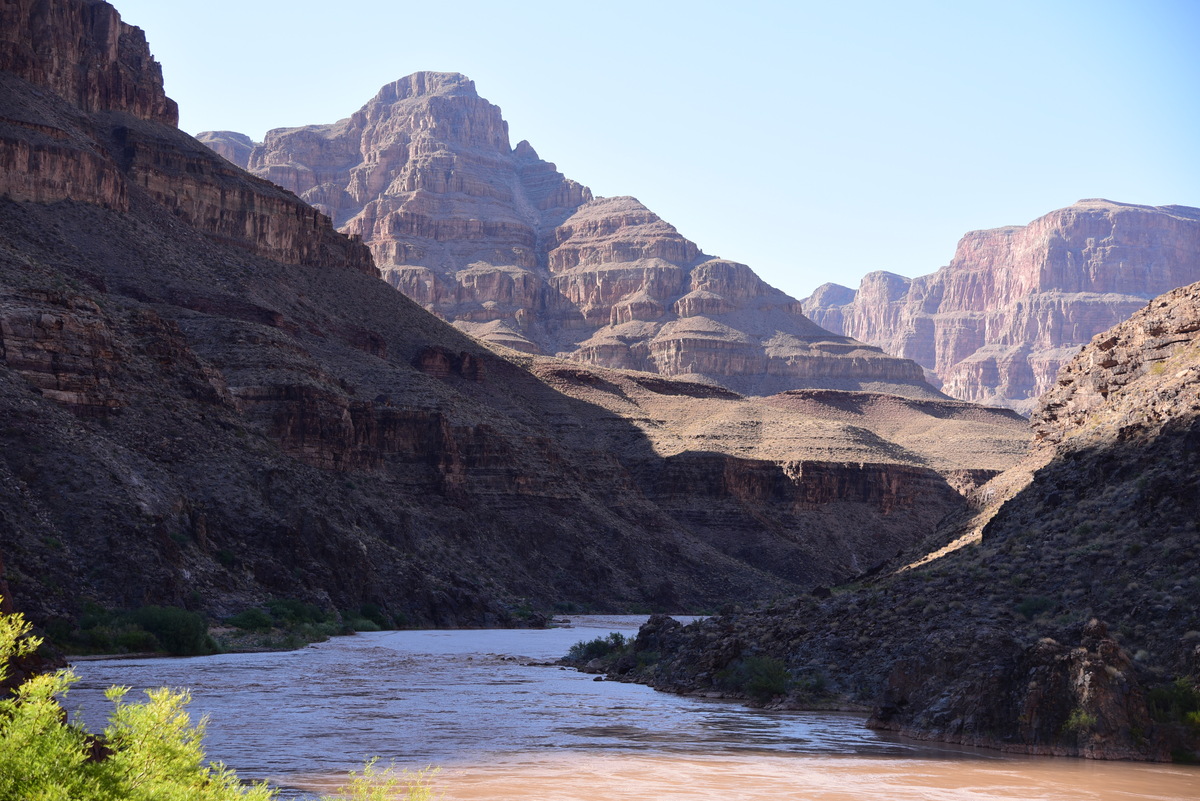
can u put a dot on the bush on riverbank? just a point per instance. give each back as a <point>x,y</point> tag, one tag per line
<point>164,629</point>
<point>287,623</point>
<point>760,677</point>
<point>603,648</point>
<point>150,751</point>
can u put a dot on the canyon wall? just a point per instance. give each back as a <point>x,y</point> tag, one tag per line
<point>1068,628</point>
<point>1015,304</point>
<point>497,241</point>
<point>210,399</point>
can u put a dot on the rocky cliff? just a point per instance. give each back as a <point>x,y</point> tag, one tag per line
<point>497,241</point>
<point>1070,628</point>
<point>1015,304</point>
<point>209,398</point>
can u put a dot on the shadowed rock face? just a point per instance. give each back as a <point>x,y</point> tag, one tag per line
<point>1068,628</point>
<point>1016,303</point>
<point>208,397</point>
<point>497,241</point>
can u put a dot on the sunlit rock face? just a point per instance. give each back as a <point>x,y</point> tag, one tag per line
<point>1016,303</point>
<point>495,240</point>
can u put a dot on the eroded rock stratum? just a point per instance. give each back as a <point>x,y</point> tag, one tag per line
<point>497,241</point>
<point>1016,303</point>
<point>209,398</point>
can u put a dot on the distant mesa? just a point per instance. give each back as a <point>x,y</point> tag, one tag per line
<point>495,240</point>
<point>1016,303</point>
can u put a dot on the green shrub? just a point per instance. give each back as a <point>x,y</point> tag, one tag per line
<point>1177,702</point>
<point>376,615</point>
<point>151,628</point>
<point>760,677</point>
<point>363,624</point>
<point>386,784</point>
<point>150,751</point>
<point>1031,607</point>
<point>1079,721</point>
<point>178,631</point>
<point>252,619</point>
<point>586,651</point>
<point>290,612</point>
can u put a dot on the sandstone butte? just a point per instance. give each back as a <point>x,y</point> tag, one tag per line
<point>1016,303</point>
<point>210,398</point>
<point>1070,627</point>
<point>495,240</point>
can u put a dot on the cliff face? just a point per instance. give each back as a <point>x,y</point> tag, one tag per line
<point>1071,627</point>
<point>108,126</point>
<point>84,54</point>
<point>209,398</point>
<point>1015,304</point>
<point>497,241</point>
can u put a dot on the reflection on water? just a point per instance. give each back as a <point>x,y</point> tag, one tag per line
<point>501,728</point>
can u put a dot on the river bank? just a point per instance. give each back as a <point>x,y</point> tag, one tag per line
<point>473,703</point>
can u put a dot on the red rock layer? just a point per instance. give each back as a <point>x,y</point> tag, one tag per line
<point>86,55</point>
<point>497,241</point>
<point>1016,303</point>
<point>82,53</point>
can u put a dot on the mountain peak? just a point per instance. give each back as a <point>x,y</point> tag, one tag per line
<point>425,84</point>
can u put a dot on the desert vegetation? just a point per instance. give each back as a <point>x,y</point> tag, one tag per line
<point>150,750</point>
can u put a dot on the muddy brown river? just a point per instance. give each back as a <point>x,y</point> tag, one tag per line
<point>499,728</point>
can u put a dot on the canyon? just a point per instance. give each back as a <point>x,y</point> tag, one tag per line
<point>495,240</point>
<point>211,399</point>
<point>1015,304</point>
<point>1065,625</point>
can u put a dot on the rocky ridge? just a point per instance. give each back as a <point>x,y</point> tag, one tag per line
<point>1016,303</point>
<point>497,241</point>
<point>208,399</point>
<point>1070,629</point>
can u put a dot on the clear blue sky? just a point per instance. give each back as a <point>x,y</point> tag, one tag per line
<point>813,141</point>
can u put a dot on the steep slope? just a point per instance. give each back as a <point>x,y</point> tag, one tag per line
<point>497,241</point>
<point>1072,628</point>
<point>1016,303</point>
<point>208,398</point>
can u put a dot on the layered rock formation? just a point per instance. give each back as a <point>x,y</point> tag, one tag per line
<point>209,397</point>
<point>1070,629</point>
<point>497,241</point>
<point>1016,303</point>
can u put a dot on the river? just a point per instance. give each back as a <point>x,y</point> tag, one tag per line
<point>500,728</point>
